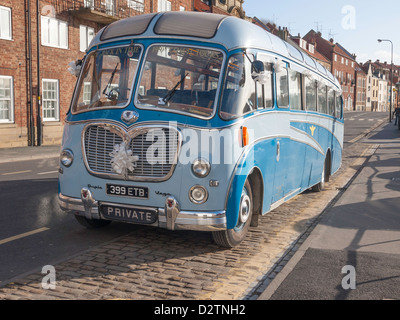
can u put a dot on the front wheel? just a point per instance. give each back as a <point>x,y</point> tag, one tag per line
<point>232,237</point>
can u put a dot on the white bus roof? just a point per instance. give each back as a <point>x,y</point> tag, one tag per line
<point>228,31</point>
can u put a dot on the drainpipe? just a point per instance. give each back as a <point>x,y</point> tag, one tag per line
<point>31,139</point>
<point>39,116</point>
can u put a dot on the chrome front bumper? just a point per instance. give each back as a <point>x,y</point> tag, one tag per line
<point>170,217</point>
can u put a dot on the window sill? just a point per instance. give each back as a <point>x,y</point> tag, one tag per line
<point>9,124</point>
<point>50,46</point>
<point>51,123</point>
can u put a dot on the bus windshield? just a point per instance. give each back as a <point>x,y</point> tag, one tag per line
<point>107,78</point>
<point>180,79</point>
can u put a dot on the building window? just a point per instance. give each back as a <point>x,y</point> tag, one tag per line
<point>181,8</point>
<point>6,99</point>
<point>335,57</point>
<point>137,5</point>
<point>50,97</point>
<point>89,4</point>
<point>86,36</point>
<point>164,5</point>
<point>5,23</point>
<point>54,33</point>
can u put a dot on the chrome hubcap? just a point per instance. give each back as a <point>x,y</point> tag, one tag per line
<point>245,204</point>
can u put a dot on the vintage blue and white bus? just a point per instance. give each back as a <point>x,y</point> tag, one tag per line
<point>196,121</point>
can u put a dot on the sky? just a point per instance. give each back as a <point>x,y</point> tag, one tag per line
<point>355,24</point>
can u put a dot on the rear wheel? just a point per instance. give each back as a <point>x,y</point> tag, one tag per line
<point>92,223</point>
<point>232,237</point>
<point>320,186</point>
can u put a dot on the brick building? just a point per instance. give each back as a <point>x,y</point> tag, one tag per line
<point>312,51</point>
<point>37,41</point>
<point>360,97</point>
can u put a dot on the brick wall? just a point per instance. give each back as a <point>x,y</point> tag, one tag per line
<point>13,63</point>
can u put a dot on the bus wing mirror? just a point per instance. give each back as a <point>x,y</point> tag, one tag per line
<point>260,73</point>
<point>257,66</point>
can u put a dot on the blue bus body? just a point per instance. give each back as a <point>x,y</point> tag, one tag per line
<point>227,164</point>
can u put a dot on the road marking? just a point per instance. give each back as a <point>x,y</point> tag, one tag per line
<point>48,172</point>
<point>16,172</point>
<point>23,235</point>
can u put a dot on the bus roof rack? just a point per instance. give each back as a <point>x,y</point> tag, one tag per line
<point>191,24</point>
<point>131,26</point>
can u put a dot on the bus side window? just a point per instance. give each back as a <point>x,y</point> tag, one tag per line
<point>311,94</point>
<point>322,105</point>
<point>282,90</point>
<point>331,102</point>
<point>260,95</point>
<point>239,96</point>
<point>265,94</point>
<point>295,92</point>
<point>338,107</point>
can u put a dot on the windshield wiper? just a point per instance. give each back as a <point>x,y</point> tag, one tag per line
<point>171,92</point>
<point>107,94</point>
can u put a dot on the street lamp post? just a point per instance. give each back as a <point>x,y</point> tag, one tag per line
<point>391,79</point>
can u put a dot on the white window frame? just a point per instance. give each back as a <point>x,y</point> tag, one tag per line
<point>137,5</point>
<point>164,5</point>
<point>45,21</point>
<point>2,32</point>
<point>57,106</point>
<point>84,37</point>
<point>11,99</point>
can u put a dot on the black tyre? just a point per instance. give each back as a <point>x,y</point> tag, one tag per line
<point>320,186</point>
<point>92,223</point>
<point>232,237</point>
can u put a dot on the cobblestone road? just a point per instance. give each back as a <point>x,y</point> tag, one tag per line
<point>151,263</point>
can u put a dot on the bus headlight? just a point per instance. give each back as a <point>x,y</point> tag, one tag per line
<point>66,157</point>
<point>201,168</point>
<point>198,194</point>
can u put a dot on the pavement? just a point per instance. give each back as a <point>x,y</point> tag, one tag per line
<point>354,251</point>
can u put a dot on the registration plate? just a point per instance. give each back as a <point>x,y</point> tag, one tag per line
<point>129,214</point>
<point>127,191</point>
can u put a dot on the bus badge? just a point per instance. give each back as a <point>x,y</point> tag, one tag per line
<point>129,116</point>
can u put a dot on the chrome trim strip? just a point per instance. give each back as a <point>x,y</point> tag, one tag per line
<point>183,220</point>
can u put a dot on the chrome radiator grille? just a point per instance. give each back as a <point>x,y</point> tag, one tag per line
<point>156,148</point>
